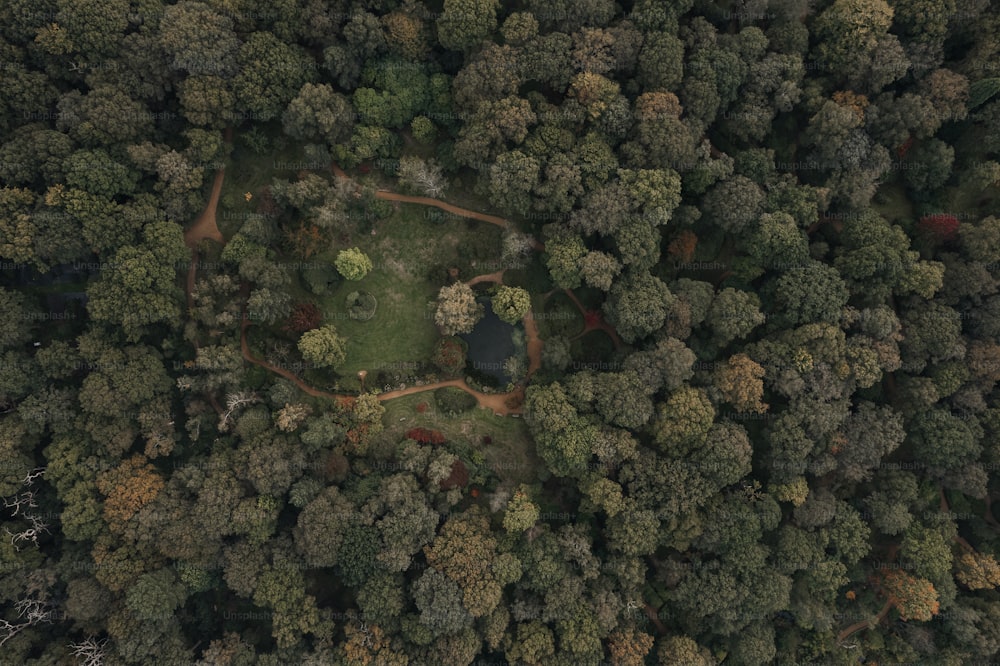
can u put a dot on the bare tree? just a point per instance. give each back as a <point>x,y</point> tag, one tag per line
<point>422,176</point>
<point>22,504</point>
<point>29,613</point>
<point>236,401</point>
<point>90,652</point>
<point>19,503</point>
<point>30,534</point>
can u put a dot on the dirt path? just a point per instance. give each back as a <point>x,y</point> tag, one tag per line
<point>599,325</point>
<point>205,226</point>
<point>864,624</point>
<point>487,277</point>
<point>247,355</point>
<point>450,208</point>
<point>495,401</point>
<point>534,342</point>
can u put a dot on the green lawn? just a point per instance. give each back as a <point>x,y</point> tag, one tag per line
<point>410,252</point>
<point>511,453</point>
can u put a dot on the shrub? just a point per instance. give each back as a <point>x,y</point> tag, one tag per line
<point>353,264</point>
<point>425,436</point>
<point>450,355</point>
<point>941,227</point>
<point>453,400</point>
<point>304,317</point>
<point>361,305</point>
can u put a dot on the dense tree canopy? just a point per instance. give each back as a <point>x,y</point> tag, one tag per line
<point>735,401</point>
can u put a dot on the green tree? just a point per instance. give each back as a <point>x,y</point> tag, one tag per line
<point>353,264</point>
<point>155,595</point>
<point>661,61</point>
<point>563,255</point>
<point>519,28</point>
<point>929,167</point>
<point>813,293</point>
<point>323,347</point>
<point>140,289</point>
<point>870,433</point>
<point>850,32</point>
<point>104,117</point>
<point>734,314</point>
<point>281,586</point>
<point>512,176</point>
<point>199,40</point>
<point>465,23</point>
<point>521,513</point>
<point>683,420</point>
<point>271,74</point>
<point>95,172</point>
<point>667,365</point>
<point>638,305</point>
<point>322,527</point>
<point>207,100</point>
<point>531,643</point>
<point>733,203</point>
<point>943,440</point>
<point>564,440</point>
<point>599,269</point>
<point>511,303</point>
<point>683,650</point>
<point>94,27</point>
<point>778,243</point>
<point>319,113</point>
<point>931,334</point>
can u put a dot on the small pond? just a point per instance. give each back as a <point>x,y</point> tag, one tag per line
<point>490,344</point>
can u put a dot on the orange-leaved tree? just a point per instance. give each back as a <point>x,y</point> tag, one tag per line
<point>128,487</point>
<point>914,598</point>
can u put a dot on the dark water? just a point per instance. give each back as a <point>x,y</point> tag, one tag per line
<point>490,344</point>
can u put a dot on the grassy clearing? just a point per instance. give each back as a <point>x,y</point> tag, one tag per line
<point>511,454</point>
<point>408,250</point>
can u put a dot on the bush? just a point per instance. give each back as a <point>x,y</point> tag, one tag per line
<point>453,400</point>
<point>304,317</point>
<point>425,436</point>
<point>450,355</point>
<point>361,305</point>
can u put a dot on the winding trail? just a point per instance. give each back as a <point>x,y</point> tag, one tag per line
<point>498,402</point>
<point>876,619</point>
<point>864,624</point>
<point>389,195</point>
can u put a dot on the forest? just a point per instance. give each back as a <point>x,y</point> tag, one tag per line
<point>468,332</point>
